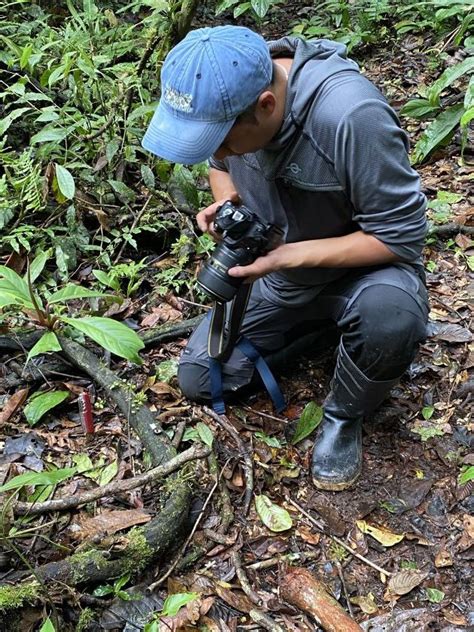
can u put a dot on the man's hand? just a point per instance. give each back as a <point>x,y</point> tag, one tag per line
<point>205,218</point>
<point>272,261</point>
<point>349,251</point>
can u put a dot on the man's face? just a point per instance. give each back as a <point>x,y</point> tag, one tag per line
<point>249,135</point>
<point>243,138</point>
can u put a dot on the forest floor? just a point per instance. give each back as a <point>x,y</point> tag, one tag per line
<point>410,514</point>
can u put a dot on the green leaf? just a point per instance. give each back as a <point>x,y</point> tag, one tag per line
<point>427,412</point>
<point>272,442</point>
<point>15,285</point>
<point>148,177</point>
<point>48,135</point>
<point>71,291</point>
<point>310,419</point>
<point>38,263</point>
<point>110,334</point>
<point>466,475</point>
<point>108,473</point>
<point>47,626</point>
<point>448,77</point>
<point>241,8</point>
<point>205,433</point>
<point>39,405</point>
<point>102,591</point>
<point>274,517</point>
<point>434,595</point>
<point>47,343</point>
<point>449,197</point>
<point>174,603</point>
<point>124,193</point>
<point>166,370</point>
<point>38,478</point>
<point>107,279</point>
<point>437,132</point>
<point>260,7</point>
<point>418,108</point>
<point>8,120</point>
<point>224,5</point>
<point>65,182</point>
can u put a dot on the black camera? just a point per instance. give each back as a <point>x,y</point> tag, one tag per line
<point>244,238</point>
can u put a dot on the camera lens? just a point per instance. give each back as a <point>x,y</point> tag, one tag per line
<point>213,277</point>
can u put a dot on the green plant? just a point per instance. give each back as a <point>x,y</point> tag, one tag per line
<point>258,9</point>
<point>171,607</point>
<point>445,119</point>
<point>115,589</point>
<point>347,22</point>
<point>129,272</point>
<point>18,292</point>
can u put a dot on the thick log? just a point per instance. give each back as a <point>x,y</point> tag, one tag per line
<point>301,589</point>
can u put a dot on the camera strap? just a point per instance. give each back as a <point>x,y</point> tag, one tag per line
<point>224,328</point>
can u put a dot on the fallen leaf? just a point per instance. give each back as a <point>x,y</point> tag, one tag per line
<point>404,581</point>
<point>307,535</point>
<point>12,405</point>
<point>443,558</point>
<point>381,534</point>
<point>109,522</point>
<point>366,604</point>
<point>452,333</point>
<point>274,517</point>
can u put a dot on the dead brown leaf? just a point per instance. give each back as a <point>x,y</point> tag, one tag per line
<point>443,558</point>
<point>403,582</point>
<point>185,619</point>
<point>109,522</point>
<point>12,405</point>
<point>161,314</point>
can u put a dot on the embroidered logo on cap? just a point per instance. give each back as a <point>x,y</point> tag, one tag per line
<point>178,100</point>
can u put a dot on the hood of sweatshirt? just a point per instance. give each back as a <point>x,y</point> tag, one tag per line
<point>314,62</point>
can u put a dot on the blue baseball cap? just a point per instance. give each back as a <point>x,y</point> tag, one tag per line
<point>207,80</point>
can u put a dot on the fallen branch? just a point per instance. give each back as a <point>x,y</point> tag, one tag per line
<point>168,332</point>
<point>112,489</point>
<point>244,453</point>
<point>243,579</point>
<point>449,229</point>
<point>301,589</point>
<point>265,621</point>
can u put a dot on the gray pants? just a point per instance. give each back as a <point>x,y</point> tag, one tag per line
<point>381,314</point>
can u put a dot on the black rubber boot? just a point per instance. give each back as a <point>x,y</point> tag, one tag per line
<point>337,455</point>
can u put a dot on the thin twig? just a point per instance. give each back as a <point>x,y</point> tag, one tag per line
<point>223,421</point>
<point>135,222</point>
<point>266,415</point>
<point>265,621</point>
<point>320,527</point>
<point>195,452</point>
<point>159,581</point>
<point>288,557</point>
<point>344,588</point>
<point>243,579</point>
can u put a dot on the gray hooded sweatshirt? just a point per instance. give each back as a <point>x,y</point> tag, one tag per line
<point>338,164</point>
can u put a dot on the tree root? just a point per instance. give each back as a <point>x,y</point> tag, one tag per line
<point>142,545</point>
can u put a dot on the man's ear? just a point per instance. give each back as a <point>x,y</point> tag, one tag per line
<point>266,102</point>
